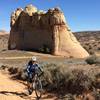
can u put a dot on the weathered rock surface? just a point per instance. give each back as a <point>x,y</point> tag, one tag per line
<point>32,29</point>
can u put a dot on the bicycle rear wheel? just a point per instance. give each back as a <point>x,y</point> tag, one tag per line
<point>38,88</point>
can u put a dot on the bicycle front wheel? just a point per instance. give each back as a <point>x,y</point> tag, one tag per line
<point>38,88</point>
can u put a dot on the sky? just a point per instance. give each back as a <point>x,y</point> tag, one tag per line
<point>81,15</point>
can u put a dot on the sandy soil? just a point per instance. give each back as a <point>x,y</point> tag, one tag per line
<point>4,33</point>
<point>14,90</point>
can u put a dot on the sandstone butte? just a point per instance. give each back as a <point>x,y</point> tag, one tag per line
<point>31,29</point>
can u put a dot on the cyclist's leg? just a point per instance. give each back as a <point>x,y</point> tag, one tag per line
<point>33,80</point>
<point>38,87</point>
<point>29,82</point>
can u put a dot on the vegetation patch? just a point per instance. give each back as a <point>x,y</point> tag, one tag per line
<point>93,60</point>
<point>64,80</point>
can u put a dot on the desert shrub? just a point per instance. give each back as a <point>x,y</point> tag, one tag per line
<point>3,67</point>
<point>89,48</point>
<point>53,77</point>
<point>98,48</point>
<point>61,78</point>
<point>13,70</point>
<point>64,79</point>
<point>21,76</point>
<point>97,81</point>
<point>96,95</point>
<point>93,60</point>
<point>91,52</point>
<point>44,49</point>
<point>4,49</point>
<point>21,73</point>
<point>18,72</point>
<point>67,97</point>
<point>79,82</point>
<point>98,75</point>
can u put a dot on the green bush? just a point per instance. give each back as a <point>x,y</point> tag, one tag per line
<point>44,49</point>
<point>93,60</point>
<point>13,70</point>
<point>3,67</point>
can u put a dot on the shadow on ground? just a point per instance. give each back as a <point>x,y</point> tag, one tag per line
<point>25,96</point>
<point>22,95</point>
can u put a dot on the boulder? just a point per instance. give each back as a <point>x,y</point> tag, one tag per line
<point>32,29</point>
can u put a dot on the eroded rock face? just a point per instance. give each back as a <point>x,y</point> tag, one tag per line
<point>31,29</point>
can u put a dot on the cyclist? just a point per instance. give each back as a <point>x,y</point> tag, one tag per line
<point>32,69</point>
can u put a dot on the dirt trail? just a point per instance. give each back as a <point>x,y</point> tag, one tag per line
<point>14,90</point>
<point>12,58</point>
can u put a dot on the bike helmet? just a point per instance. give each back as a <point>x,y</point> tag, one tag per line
<point>33,58</point>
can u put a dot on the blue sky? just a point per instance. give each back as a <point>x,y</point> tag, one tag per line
<point>81,15</point>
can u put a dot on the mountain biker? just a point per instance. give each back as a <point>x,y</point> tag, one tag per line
<point>32,69</point>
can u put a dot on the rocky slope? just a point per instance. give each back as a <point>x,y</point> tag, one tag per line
<point>3,40</point>
<point>90,40</point>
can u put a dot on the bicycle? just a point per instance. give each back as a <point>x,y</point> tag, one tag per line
<point>36,86</point>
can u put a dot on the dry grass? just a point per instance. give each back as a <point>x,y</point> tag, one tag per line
<point>71,80</point>
<point>63,78</point>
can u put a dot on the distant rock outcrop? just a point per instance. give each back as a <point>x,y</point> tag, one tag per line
<point>31,29</point>
<point>3,32</point>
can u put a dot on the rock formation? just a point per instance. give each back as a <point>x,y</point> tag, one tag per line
<point>32,29</point>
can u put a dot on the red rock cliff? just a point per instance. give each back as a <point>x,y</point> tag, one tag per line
<point>31,29</point>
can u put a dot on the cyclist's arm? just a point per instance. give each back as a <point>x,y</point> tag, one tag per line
<point>41,69</point>
<point>28,68</point>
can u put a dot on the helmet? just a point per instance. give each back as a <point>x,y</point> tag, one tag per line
<point>33,58</point>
